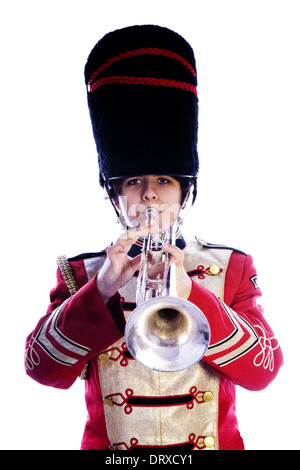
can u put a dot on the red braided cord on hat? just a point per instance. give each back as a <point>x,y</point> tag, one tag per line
<point>143,51</point>
<point>143,81</point>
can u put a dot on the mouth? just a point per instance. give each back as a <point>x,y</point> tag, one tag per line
<point>165,215</point>
<point>156,211</point>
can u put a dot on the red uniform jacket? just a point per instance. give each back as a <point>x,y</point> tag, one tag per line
<point>131,406</point>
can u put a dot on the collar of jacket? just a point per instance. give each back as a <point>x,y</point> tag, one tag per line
<point>137,247</point>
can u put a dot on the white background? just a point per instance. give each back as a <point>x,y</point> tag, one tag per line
<point>247,55</point>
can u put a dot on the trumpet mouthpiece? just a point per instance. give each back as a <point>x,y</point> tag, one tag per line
<point>150,213</point>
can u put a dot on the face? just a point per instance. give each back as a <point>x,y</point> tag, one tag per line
<point>161,192</point>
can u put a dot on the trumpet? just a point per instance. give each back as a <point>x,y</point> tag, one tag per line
<point>164,333</point>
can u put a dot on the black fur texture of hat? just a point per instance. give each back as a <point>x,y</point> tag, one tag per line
<point>142,97</point>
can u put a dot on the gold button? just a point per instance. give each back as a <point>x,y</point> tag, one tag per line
<point>208,396</point>
<point>209,441</point>
<point>103,357</point>
<point>108,401</point>
<point>214,269</point>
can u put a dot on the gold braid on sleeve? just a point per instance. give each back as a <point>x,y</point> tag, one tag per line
<point>69,279</point>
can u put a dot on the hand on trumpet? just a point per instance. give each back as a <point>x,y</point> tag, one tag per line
<point>118,268</point>
<point>183,281</point>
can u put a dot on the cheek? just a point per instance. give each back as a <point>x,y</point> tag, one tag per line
<point>126,199</point>
<point>131,208</point>
<point>174,196</point>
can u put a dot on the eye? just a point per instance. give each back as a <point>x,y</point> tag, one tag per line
<point>163,180</point>
<point>133,181</point>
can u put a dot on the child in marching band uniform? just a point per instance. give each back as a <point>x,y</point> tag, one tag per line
<point>142,96</point>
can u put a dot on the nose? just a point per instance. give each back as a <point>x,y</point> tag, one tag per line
<point>148,192</point>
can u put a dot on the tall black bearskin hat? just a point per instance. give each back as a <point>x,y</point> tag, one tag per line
<point>141,84</point>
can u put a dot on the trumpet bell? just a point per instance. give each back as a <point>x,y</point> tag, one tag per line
<point>167,334</point>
